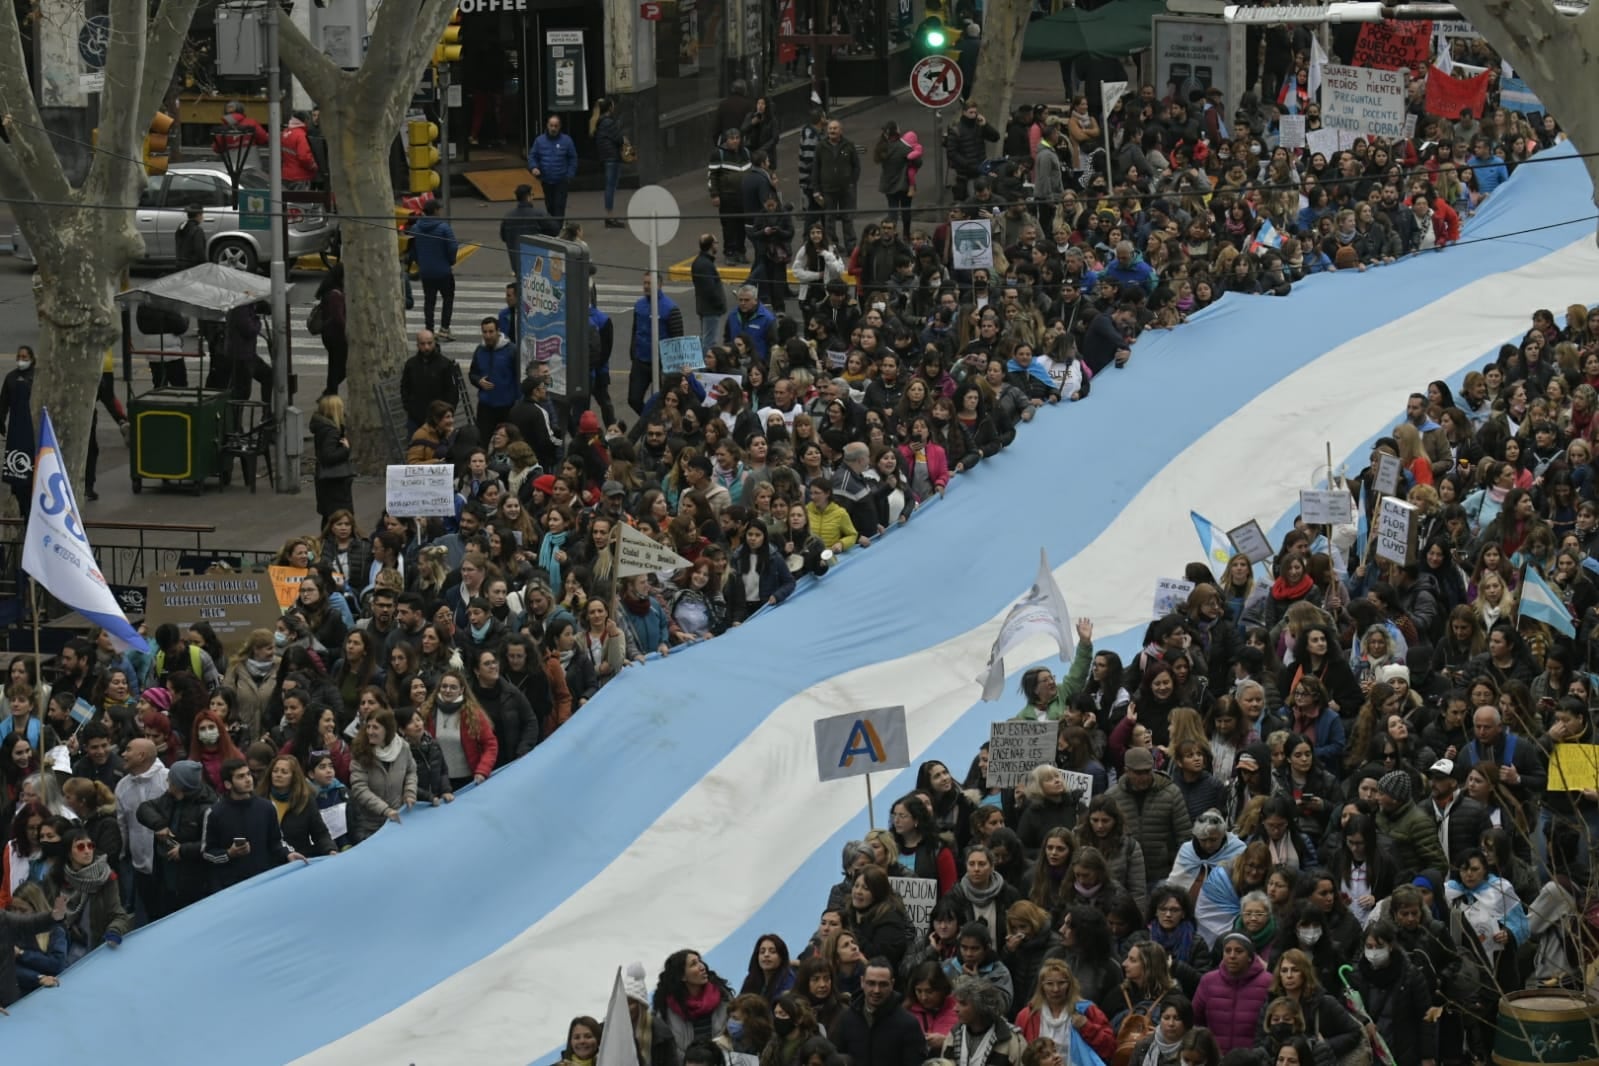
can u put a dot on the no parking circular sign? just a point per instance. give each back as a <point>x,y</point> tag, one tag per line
<point>936,82</point>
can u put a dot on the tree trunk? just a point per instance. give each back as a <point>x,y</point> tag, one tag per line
<point>1548,50</point>
<point>1004,28</point>
<point>80,272</point>
<point>372,282</point>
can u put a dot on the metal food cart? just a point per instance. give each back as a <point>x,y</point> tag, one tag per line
<point>180,432</point>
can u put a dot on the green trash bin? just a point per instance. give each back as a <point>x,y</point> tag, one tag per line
<point>176,435</point>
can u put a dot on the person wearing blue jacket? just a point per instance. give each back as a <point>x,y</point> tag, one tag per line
<point>1129,270</point>
<point>493,371</point>
<point>1490,169</point>
<point>434,248</point>
<point>642,369</point>
<point>643,614</point>
<point>753,321</point>
<point>553,160</point>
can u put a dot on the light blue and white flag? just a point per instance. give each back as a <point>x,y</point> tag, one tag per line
<point>1219,548</point>
<point>1041,612</point>
<point>1541,603</point>
<point>1516,95</point>
<point>56,551</point>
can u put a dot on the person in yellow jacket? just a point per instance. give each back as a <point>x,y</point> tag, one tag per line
<point>829,521</point>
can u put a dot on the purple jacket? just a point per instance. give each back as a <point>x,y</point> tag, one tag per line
<point>1230,1006</point>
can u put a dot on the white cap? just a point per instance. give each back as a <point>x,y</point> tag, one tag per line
<point>633,983</point>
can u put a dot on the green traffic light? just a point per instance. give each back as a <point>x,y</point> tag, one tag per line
<point>935,38</point>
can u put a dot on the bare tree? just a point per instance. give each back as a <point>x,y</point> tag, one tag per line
<point>999,60</point>
<point>1547,48</point>
<point>82,237</point>
<point>361,113</point>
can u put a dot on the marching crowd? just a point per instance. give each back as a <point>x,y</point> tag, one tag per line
<point>1318,808</point>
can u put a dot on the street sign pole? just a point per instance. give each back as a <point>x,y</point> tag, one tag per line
<point>936,83</point>
<point>940,183</point>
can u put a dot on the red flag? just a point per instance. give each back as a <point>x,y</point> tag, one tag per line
<point>787,51</point>
<point>1448,96</point>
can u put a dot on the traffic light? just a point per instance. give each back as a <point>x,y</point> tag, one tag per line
<point>156,151</point>
<point>422,154</point>
<point>932,36</point>
<point>448,50</point>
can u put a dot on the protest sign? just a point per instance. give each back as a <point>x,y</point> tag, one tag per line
<point>1015,748</point>
<point>1322,142</point>
<point>1573,767</point>
<point>1362,100</point>
<point>1448,95</point>
<point>286,583</point>
<point>920,896</point>
<point>973,244</point>
<point>233,602</point>
<point>1396,531</point>
<point>422,491</point>
<point>1392,44</point>
<point>1326,507</point>
<point>638,554</point>
<point>1082,785</point>
<point>1250,539</point>
<point>680,353</point>
<point>1170,594</point>
<point>864,742</point>
<point>1388,469</point>
<point>1452,29</point>
<point>1291,131</point>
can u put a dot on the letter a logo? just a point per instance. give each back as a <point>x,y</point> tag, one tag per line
<point>862,740</point>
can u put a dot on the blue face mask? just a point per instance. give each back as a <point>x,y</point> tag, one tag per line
<point>280,638</point>
<point>735,1028</point>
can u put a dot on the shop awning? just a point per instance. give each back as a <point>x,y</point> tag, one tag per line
<point>1118,29</point>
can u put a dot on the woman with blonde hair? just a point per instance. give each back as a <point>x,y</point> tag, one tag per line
<point>335,473</point>
<point>885,852</point>
<point>1494,601</point>
<point>1412,457</point>
<point>291,793</point>
<point>1053,1012</point>
<point>252,676</point>
<point>1294,981</point>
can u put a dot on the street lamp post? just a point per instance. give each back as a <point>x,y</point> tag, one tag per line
<point>288,480</point>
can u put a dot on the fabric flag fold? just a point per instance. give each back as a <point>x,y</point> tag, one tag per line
<point>1110,92</point>
<point>1318,60</point>
<point>56,551</point>
<point>1218,546</point>
<point>1541,603</point>
<point>1443,55</point>
<point>617,1047</point>
<point>1041,612</point>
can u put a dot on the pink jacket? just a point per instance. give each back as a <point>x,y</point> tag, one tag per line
<point>1230,1006</point>
<point>913,162</point>
<point>941,1021</point>
<point>937,462</point>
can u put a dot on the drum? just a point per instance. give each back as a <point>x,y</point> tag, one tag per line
<point>1547,1027</point>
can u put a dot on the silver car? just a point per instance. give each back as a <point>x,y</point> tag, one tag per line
<point>162,209</point>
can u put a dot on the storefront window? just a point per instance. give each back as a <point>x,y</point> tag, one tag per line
<point>691,52</point>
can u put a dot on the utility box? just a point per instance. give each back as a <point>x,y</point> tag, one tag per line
<point>241,40</point>
<point>176,435</point>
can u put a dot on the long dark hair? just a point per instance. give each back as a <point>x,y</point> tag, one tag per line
<point>756,980</point>
<point>672,986</point>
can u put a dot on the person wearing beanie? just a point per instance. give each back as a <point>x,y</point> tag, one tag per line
<point>1413,835</point>
<point>654,1043</point>
<point>178,820</point>
<point>1230,998</point>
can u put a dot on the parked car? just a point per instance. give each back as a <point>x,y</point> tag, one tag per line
<point>165,198</point>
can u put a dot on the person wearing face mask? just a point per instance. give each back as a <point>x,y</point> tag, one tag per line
<point>1396,997</point>
<point>211,746</point>
<point>16,426</point>
<point>1321,1016</point>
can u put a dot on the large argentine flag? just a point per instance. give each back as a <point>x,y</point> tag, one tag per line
<point>56,551</point>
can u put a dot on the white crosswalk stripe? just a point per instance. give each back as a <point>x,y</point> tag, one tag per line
<point>474,299</point>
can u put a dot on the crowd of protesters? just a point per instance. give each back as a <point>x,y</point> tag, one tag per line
<point>1270,819</point>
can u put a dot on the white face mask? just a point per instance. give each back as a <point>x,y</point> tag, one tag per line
<point>208,736</point>
<point>1377,956</point>
<point>24,364</point>
<point>1308,934</point>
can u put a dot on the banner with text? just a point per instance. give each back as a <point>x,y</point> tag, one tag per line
<point>1016,747</point>
<point>233,602</point>
<point>1363,100</point>
<point>1391,44</point>
<point>638,554</point>
<point>422,491</point>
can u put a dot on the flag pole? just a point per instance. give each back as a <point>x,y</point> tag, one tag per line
<point>1104,123</point>
<point>38,654</point>
<point>871,816</point>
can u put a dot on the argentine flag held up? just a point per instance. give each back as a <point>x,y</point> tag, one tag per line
<point>1218,546</point>
<point>1042,612</point>
<point>56,551</point>
<point>1541,603</point>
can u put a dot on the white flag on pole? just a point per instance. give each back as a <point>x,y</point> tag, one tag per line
<point>1110,92</point>
<point>1318,59</point>
<point>616,1035</point>
<point>641,555</point>
<point>1041,612</point>
<point>1443,55</point>
<point>56,551</point>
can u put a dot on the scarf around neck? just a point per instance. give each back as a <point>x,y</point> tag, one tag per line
<point>1282,590</point>
<point>551,544</point>
<point>982,896</point>
<point>84,882</point>
<point>1179,943</point>
<point>698,1005</point>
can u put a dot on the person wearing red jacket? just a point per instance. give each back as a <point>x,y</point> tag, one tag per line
<point>237,129</point>
<point>1057,1006</point>
<point>299,162</point>
<point>464,733</point>
<point>1429,223</point>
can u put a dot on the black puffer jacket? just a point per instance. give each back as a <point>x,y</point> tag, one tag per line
<point>515,725</point>
<point>188,878</point>
<point>966,143</point>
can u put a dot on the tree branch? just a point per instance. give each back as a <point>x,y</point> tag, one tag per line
<point>316,71</point>
<point>167,33</point>
<point>112,168</point>
<point>16,187</point>
<point>410,37</point>
<point>34,154</point>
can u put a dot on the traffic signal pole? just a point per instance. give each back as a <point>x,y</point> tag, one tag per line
<point>287,480</point>
<point>441,85</point>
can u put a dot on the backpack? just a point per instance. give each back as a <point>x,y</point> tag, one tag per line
<point>315,320</point>
<point>1134,1027</point>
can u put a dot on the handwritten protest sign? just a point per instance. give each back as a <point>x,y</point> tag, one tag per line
<point>422,491</point>
<point>920,896</point>
<point>1392,44</point>
<point>1363,101</point>
<point>1016,748</point>
<point>1396,531</point>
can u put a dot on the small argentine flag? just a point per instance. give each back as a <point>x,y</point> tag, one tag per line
<point>1218,547</point>
<point>1541,603</point>
<point>1269,236</point>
